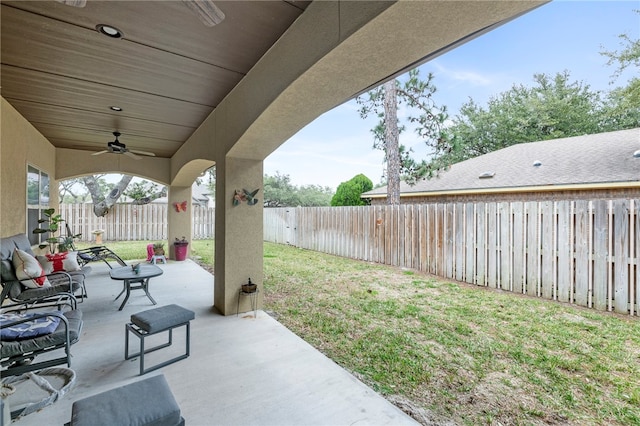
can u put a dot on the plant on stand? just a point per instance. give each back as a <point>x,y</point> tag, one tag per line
<point>58,245</point>
<point>158,249</point>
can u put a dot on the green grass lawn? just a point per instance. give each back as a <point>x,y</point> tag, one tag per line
<point>460,352</point>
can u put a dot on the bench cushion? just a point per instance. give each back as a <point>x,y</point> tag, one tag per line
<point>147,402</point>
<point>158,319</point>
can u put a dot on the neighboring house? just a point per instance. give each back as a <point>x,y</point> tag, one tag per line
<point>604,165</point>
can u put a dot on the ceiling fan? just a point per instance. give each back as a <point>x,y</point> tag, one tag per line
<point>205,10</point>
<point>117,147</point>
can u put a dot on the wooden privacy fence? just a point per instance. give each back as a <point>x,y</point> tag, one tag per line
<point>128,222</point>
<point>582,252</point>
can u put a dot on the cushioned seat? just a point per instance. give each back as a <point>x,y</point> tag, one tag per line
<point>147,402</point>
<point>162,318</point>
<point>18,350</point>
<point>61,283</point>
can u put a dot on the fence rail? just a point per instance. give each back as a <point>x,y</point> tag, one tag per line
<point>582,252</point>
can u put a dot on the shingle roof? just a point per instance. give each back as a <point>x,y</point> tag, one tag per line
<point>581,160</point>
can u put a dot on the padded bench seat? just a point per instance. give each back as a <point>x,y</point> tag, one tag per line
<point>154,321</point>
<point>143,403</point>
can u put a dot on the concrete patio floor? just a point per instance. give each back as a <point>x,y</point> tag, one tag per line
<point>242,370</point>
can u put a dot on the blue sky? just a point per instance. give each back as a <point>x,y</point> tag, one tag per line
<point>562,35</point>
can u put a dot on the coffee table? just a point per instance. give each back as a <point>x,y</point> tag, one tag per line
<point>129,276</point>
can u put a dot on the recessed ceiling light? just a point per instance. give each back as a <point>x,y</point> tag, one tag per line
<point>637,154</point>
<point>115,108</point>
<point>109,31</point>
<point>537,163</point>
<point>487,175</point>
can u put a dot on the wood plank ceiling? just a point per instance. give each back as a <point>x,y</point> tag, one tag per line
<point>167,72</point>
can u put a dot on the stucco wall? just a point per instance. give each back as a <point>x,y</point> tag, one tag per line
<point>20,144</point>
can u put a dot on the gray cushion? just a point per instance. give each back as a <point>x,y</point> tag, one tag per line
<point>162,318</point>
<point>58,337</point>
<point>8,244</point>
<point>147,402</point>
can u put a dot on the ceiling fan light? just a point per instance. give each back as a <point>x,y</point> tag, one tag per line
<point>206,11</point>
<point>74,3</point>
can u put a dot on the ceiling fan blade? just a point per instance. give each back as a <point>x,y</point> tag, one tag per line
<point>206,11</point>
<point>100,152</point>
<point>131,154</point>
<point>74,3</point>
<point>147,153</point>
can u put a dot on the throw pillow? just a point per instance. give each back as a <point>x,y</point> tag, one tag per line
<point>69,264</point>
<point>28,270</point>
<point>47,266</point>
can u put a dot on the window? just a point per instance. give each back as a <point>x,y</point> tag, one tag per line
<point>37,200</point>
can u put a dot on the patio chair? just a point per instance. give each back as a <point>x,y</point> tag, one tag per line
<point>28,335</point>
<point>98,253</point>
<point>95,253</point>
<point>59,290</point>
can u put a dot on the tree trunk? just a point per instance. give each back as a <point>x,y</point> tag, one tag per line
<point>392,150</point>
<point>101,206</point>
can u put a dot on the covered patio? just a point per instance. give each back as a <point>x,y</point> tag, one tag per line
<point>191,94</point>
<point>242,370</point>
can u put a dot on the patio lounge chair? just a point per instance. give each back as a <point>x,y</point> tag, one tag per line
<point>98,253</point>
<point>95,253</point>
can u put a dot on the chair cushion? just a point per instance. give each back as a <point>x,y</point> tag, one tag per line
<point>38,326</point>
<point>57,338</point>
<point>8,244</point>
<point>162,318</point>
<point>148,402</point>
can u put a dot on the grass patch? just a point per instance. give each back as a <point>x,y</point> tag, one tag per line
<point>465,353</point>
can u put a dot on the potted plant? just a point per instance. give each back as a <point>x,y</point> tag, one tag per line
<point>158,249</point>
<point>180,246</point>
<point>58,245</point>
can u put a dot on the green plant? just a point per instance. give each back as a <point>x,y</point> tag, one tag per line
<point>181,242</point>
<point>53,221</point>
<point>158,246</point>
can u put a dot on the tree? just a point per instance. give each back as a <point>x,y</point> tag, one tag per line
<point>101,203</point>
<point>553,108</point>
<point>69,192</point>
<point>280,192</point>
<point>348,193</point>
<point>145,192</point>
<point>424,116</point>
<point>625,101</point>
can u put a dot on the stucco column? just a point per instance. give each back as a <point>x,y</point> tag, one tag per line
<point>179,222</point>
<point>239,234</point>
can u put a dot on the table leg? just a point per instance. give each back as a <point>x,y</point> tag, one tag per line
<point>127,284</point>
<point>145,287</point>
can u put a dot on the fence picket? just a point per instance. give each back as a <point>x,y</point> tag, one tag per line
<point>582,264</point>
<point>620,255</point>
